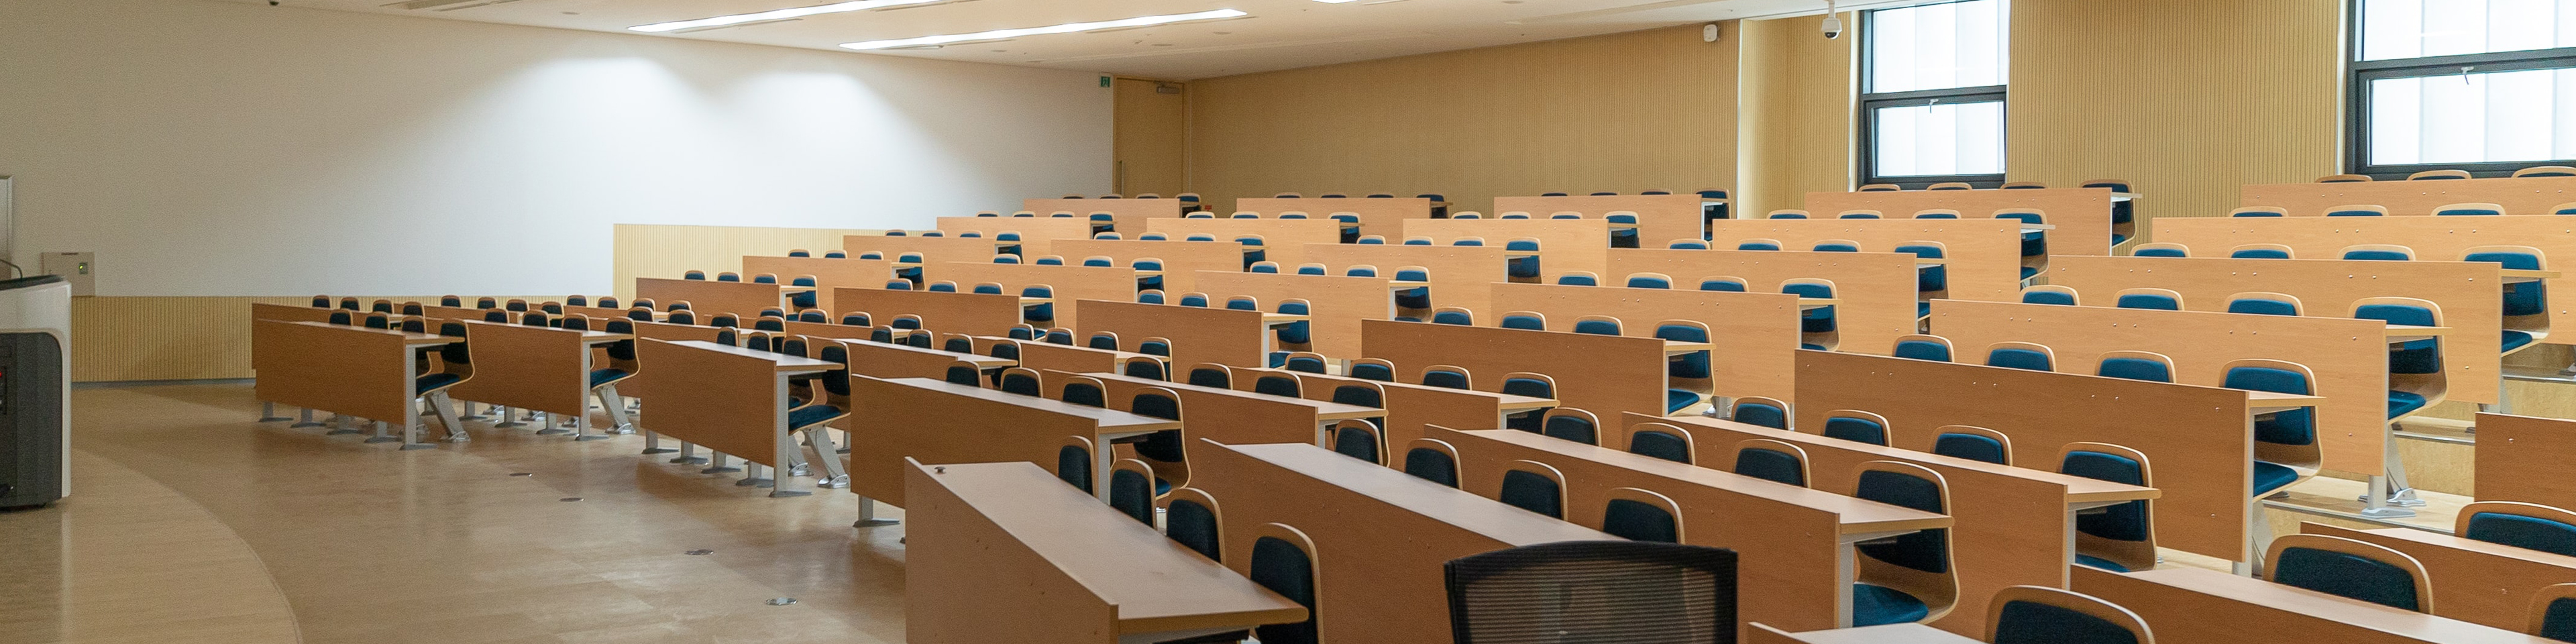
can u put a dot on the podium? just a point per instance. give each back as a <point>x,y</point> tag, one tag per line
<point>35,390</point>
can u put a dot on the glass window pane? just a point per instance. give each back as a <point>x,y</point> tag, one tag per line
<point>2396,29</point>
<point>1941,46</point>
<point>1938,140</point>
<point>2525,115</point>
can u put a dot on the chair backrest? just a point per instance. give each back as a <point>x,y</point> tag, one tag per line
<point>1881,187</point>
<point>2379,252</point>
<point>1145,366</point>
<point>1597,325</point>
<point>1860,214</point>
<point>1765,412</point>
<point>1650,280</point>
<point>1662,440</point>
<point>1936,213</point>
<point>2349,568</point>
<point>2259,211</point>
<point>2553,612</point>
<point>1758,244</point>
<point>1082,390</point>
<point>1359,439</point>
<point>2135,365</point>
<point>2343,178</point>
<point>1973,443</point>
<point>2043,615</point>
<point>1836,246</point>
<point>1771,460</point>
<point>1432,460</point>
<point>1635,591</point>
<point>1950,185</point>
<point>964,373</point>
<point>1454,315</point>
<point>2122,535</point>
<point>2261,303</point>
<point>1578,278</point>
<point>1527,320</point>
<point>2149,298</point>
<point>1210,374</point>
<point>1447,376</point>
<point>1923,347</point>
<point>1641,515</point>
<point>2261,251</point>
<point>2021,355</point>
<point>1283,561</point>
<point>2429,175</point>
<point>1533,486</point>
<point>2357,210</point>
<point>1372,369</point>
<point>1278,384</point>
<point>2414,357</point>
<point>1190,518</point>
<point>1928,551</point>
<point>2469,209</point>
<point>2049,294</point>
<point>2546,171</point>
<point>2529,526</point>
<point>1722,283</point>
<point>1856,426</point>
<point>1023,381</point>
<point>1567,423</point>
<point>1305,362</point>
<point>1687,244</point>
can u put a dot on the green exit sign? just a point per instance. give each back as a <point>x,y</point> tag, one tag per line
<point>1104,81</point>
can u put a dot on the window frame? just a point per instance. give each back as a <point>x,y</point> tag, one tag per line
<point>1870,103</point>
<point>2359,74</point>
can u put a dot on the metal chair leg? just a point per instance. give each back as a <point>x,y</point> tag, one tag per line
<point>306,420</point>
<point>834,475</point>
<point>447,417</point>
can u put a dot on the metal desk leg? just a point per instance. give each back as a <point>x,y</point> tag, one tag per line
<point>868,515</point>
<point>508,418</point>
<point>342,424</point>
<point>411,433</point>
<point>268,412</point>
<point>717,465</point>
<point>306,420</point>
<point>688,455</point>
<point>581,428</point>
<point>382,437</point>
<point>782,444</point>
<point>546,420</point>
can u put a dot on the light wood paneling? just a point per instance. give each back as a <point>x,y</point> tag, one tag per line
<point>163,338</point>
<point>1151,143</point>
<point>1876,289</point>
<point>2082,215</point>
<point>2518,195</point>
<point>1182,260</point>
<point>1983,256</point>
<point>1459,274</point>
<point>1627,112</point>
<point>1125,215</point>
<point>1753,336</point>
<point>1335,304</point>
<point>644,250</point>
<point>1563,244</point>
<point>2521,458</point>
<point>1037,234</point>
<point>2432,238</point>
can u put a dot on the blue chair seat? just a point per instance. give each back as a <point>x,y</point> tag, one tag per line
<point>2271,476</point>
<point>811,414</point>
<point>424,384</point>
<point>1879,605</point>
<point>2401,402</point>
<point>1677,400</point>
<point>2026,272</point>
<point>2098,562</point>
<point>1922,309</point>
<point>604,376</point>
<point>2515,339</point>
<point>1811,347</point>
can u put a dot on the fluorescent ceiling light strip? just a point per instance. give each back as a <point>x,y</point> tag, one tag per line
<point>1070,27</point>
<point>780,14</point>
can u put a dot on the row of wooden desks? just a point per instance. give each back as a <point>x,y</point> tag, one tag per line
<point>1246,417</point>
<point>733,400</point>
<point>349,370</point>
<point>941,422</point>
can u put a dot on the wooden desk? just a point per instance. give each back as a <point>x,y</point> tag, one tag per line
<point>709,297</point>
<point>1378,215</point>
<point>1458,273</point>
<point>1753,336</point>
<point>1660,218</point>
<point>1245,417</point>
<point>1982,256</point>
<point>535,368</point>
<point>1410,408</point>
<point>960,312</point>
<point>1068,283</point>
<point>1876,290</point>
<point>1285,240</point>
<point>2016,525</point>
<point>732,400</point>
<point>2082,216</point>
<point>2467,292</point>
<point>1043,356</point>
<point>1182,260</point>
<point>1222,336</point>
<point>829,273</point>
<point>2518,195</point>
<point>924,418</point>
<point>1009,553</point>
<point>2195,606</point>
<point>932,249</point>
<point>1336,304</point>
<point>1795,544</point>
<point>1563,244</point>
<point>2473,581</point>
<point>2432,238</point>
<point>2525,459</point>
<point>291,313</point>
<point>1602,374</point>
<point>883,360</point>
<point>1889,634</point>
<point>1126,215</point>
<point>1037,234</point>
<point>1380,536</point>
<point>348,370</point>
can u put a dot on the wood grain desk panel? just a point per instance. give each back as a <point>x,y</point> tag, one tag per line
<point>1458,273</point>
<point>829,273</point>
<point>1660,218</point>
<point>1409,408</point>
<point>2473,581</point>
<point>1126,215</point>
<point>1223,336</point>
<point>287,313</point>
<point>933,249</point>
<point>727,400</point>
<point>1602,374</point>
<point>1380,535</point>
<point>881,360</point>
<point>2199,438</point>
<point>1069,283</point>
<point>1876,290</point>
<point>1788,538</point>
<point>2348,356</point>
<point>2525,459</point>
<point>1009,553</point>
<point>1229,416</point>
<point>2082,216</point>
<point>673,332</point>
<point>1182,260</point>
<point>2015,525</point>
<point>1378,216</point>
<point>2194,606</point>
<point>938,422</point>
<point>1563,244</point>
<point>1285,240</point>
<point>347,370</point>
<point>1335,303</point>
<point>1982,257</point>
<point>528,367</point>
<point>1753,337</point>
<point>2518,195</point>
<point>1888,634</point>
<point>1042,356</point>
<point>1037,234</point>
<point>2432,238</point>
<point>2468,292</point>
<point>960,312</point>
<point>709,297</point>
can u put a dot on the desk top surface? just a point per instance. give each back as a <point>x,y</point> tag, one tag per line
<point>1125,562</point>
<point>1855,515</point>
<point>1439,502</point>
<point>409,339</point>
<point>2360,614</point>
<point>2078,489</point>
<point>1324,410</point>
<point>785,361</point>
<point>1108,419</point>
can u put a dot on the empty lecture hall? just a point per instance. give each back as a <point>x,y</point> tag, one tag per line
<point>1287,321</point>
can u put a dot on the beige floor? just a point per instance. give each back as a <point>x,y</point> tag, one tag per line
<point>190,523</point>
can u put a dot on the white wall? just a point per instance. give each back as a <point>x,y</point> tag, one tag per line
<point>209,148</point>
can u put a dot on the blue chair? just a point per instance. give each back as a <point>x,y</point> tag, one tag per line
<point>2350,568</point>
<point>2034,244</point>
<point>2156,299</point>
<point>1973,443</point>
<point>1265,267</point>
<point>2284,441</point>
<point>2529,526</point>
<point>1928,588</point>
<point>1661,440</point>
<point>1042,314</point>
<point>694,275</point>
<point>2458,209</point>
<point>1930,282</point>
<point>1372,369</point>
<point>1305,363</point>
<point>2048,294</point>
<point>1295,334</point>
<point>2124,213</point>
<point>2121,538</point>
<point>1413,298</point>
<point>2136,365</point>
<point>1363,394</point>
<point>728,277</point>
<point>1578,278</point>
<point>1856,426</point>
<point>1758,244</point>
<point>1453,316</point>
<point>1816,326</point>
<point>1597,325</point>
<point>2357,211</point>
<point>986,288</point>
<point>1083,390</point>
<point>1161,451</point>
<point>1198,300</point>
<point>2378,253</point>
<point>1688,373</point>
<point>1524,320</point>
<point>1144,366</point>
<point>834,254</point>
<point>1019,380</point>
<point>1446,377</point>
<point>1281,561</point>
<point>1836,246</point>
<point>1764,412</point>
<point>1650,280</point>
<point>1359,439</point>
<point>2021,355</point>
<point>1148,282</point>
<point>2260,251</point>
<point>1360,271</point>
<point>2554,613</point>
<point>1276,384</point>
<point>1131,490</point>
<point>2259,211</point>
<point>2526,304</point>
<point>804,300</point>
<point>2263,304</point>
<point>1623,229</point>
<point>1641,516</point>
<point>1771,460</point>
<point>943,286</point>
<point>1057,336</point>
<point>2414,366</point>
<point>2042,615</point>
<point>1723,284</point>
<point>2160,249</point>
<point>1567,423</point>
<point>1242,303</point>
<point>1688,244</point>
<point>1923,347</point>
<point>1535,487</point>
<point>1713,204</point>
<point>1310,269</point>
<point>1189,519</point>
<point>2545,171</point>
<point>1433,461</point>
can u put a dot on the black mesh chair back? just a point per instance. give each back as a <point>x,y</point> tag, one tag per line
<point>1629,592</point>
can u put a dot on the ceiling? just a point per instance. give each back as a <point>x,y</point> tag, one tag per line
<point>1279,34</point>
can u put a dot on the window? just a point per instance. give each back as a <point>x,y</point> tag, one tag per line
<point>1932,93</point>
<point>2487,86</point>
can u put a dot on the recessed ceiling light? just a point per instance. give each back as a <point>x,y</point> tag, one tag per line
<point>1069,27</point>
<point>1332,1</point>
<point>780,14</point>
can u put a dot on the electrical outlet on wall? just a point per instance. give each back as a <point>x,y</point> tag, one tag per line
<point>79,268</point>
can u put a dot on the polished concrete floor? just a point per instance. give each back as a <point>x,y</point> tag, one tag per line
<point>190,522</point>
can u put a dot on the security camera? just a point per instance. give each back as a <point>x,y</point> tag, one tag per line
<point>1833,26</point>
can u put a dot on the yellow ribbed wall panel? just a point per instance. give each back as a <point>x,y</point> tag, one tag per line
<point>1799,99</point>
<point>1652,109</point>
<point>2187,99</point>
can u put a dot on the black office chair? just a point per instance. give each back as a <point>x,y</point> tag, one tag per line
<point>1594,591</point>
